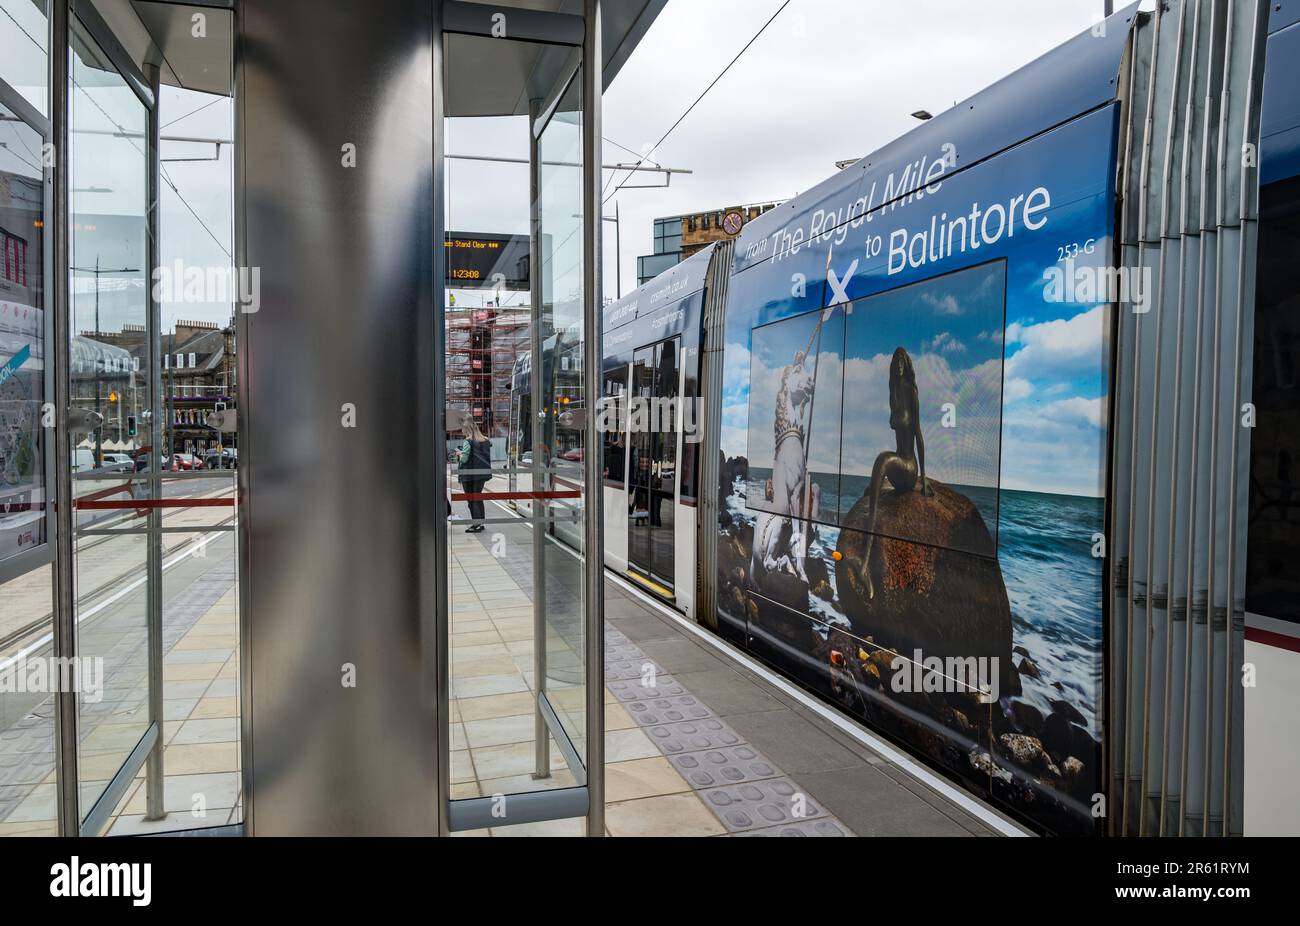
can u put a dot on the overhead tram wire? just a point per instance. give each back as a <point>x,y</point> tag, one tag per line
<point>705,93</point>
<point>162,171</point>
<point>629,151</point>
<point>216,99</point>
<point>22,30</point>
<point>124,134</point>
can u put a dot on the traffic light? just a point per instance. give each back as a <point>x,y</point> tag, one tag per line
<point>130,425</point>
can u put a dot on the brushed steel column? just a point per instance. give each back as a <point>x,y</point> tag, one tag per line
<point>63,573</point>
<point>592,298</point>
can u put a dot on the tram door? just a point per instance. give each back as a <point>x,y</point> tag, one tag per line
<point>652,473</point>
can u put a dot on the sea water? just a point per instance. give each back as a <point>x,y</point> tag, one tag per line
<point>1044,549</point>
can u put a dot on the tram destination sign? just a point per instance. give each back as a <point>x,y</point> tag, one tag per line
<point>476,261</point>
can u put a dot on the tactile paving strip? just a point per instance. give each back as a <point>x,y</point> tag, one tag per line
<point>662,686</point>
<point>690,736</point>
<point>748,794</point>
<point>825,827</point>
<point>667,710</point>
<point>759,804</point>
<point>726,766</point>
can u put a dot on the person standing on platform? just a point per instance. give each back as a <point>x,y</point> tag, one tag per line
<point>474,465</point>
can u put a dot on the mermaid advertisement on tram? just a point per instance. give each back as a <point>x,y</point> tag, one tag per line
<point>914,449</point>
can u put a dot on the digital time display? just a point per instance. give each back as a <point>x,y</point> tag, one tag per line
<point>487,261</point>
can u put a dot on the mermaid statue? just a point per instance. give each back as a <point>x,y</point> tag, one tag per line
<point>904,467</point>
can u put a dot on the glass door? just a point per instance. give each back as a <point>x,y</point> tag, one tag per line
<point>653,471</point>
<point>641,448</point>
<point>515,306</point>
<point>561,668</point>
<point>27,722</point>
<point>109,402</point>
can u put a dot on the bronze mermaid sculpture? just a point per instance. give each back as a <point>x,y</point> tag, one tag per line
<point>904,467</point>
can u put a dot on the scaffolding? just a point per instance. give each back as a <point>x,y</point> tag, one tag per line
<point>483,344</point>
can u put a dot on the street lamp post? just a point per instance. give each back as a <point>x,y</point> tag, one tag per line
<point>99,433</point>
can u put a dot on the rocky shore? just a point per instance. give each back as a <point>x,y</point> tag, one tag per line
<point>942,600</point>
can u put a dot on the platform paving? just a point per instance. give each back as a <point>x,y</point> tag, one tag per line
<point>696,744</point>
<point>729,753</point>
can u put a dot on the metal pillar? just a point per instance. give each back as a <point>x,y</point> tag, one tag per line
<point>346,687</point>
<point>437,649</point>
<point>594,533</point>
<point>243,562</point>
<point>154,808</point>
<point>536,508</point>
<point>65,617</point>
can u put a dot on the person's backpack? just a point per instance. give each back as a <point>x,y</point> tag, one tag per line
<point>481,456</point>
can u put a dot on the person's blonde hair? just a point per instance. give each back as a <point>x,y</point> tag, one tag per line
<point>475,432</point>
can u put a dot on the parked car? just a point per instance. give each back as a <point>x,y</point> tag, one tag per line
<point>118,463</point>
<point>226,458</point>
<point>185,461</point>
<point>142,462</point>
<point>573,456</point>
<point>83,459</point>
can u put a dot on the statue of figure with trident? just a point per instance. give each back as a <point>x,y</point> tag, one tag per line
<point>790,452</point>
<point>781,533</point>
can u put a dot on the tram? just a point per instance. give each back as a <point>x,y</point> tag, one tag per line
<point>988,440</point>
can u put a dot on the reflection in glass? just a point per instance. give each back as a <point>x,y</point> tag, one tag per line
<point>24,32</point>
<point>560,210</point>
<point>27,805</point>
<point>109,307</point>
<point>822,409</point>
<point>796,384</point>
<point>653,463</point>
<point>516,587</point>
<point>951,328</point>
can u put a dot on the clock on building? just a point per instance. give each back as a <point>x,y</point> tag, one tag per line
<point>732,222</point>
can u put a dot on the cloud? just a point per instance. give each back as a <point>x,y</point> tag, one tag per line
<point>1058,348</point>
<point>1058,447</point>
<point>945,343</point>
<point>1090,411</point>
<point>966,454</point>
<point>1016,389</point>
<point>764,387</point>
<point>944,305</point>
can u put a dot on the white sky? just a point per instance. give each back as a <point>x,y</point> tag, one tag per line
<point>828,80</point>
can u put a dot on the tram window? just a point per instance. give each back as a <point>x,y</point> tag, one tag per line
<point>666,376</point>
<point>692,431</point>
<point>944,336</point>
<point>795,391</point>
<point>1272,587</point>
<point>614,415</point>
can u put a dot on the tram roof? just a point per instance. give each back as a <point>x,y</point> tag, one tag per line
<point>673,285</point>
<point>1072,79</point>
